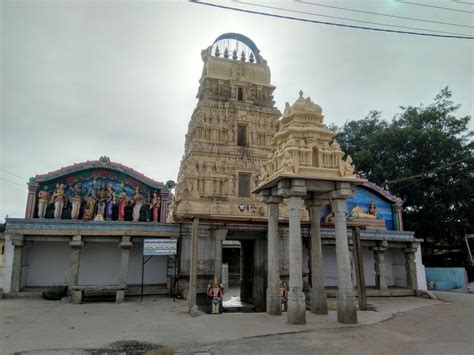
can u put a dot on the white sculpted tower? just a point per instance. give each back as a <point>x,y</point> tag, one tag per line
<point>229,134</point>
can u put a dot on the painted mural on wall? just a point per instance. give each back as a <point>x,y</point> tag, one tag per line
<point>371,207</point>
<point>98,190</point>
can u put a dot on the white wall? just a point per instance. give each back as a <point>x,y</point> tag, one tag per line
<point>420,271</point>
<point>399,272</point>
<point>46,263</point>
<point>100,264</point>
<point>155,268</point>
<point>6,266</point>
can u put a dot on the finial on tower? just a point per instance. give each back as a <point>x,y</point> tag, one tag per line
<point>301,93</point>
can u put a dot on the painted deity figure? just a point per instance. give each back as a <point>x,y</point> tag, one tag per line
<point>90,200</point>
<point>137,202</point>
<point>59,200</point>
<point>43,201</point>
<point>148,206</point>
<point>356,212</point>
<point>155,206</point>
<point>76,199</point>
<point>110,202</point>
<point>123,202</point>
<point>283,296</point>
<point>101,202</point>
<point>215,293</point>
<point>373,209</point>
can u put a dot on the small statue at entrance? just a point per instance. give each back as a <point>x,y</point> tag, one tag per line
<point>101,202</point>
<point>59,200</point>
<point>123,202</point>
<point>76,199</point>
<point>43,201</point>
<point>137,202</point>
<point>110,202</point>
<point>155,206</point>
<point>283,296</point>
<point>215,293</point>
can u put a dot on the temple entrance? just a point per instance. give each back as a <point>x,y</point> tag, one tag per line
<point>245,253</point>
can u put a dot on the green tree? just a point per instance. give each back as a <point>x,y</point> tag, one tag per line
<point>425,156</point>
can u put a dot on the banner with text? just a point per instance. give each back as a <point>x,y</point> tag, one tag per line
<point>160,247</point>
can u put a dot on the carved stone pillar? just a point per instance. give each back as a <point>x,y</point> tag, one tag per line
<point>125,246</point>
<point>379,257</point>
<point>318,292</point>
<point>410,265</point>
<point>273,287</point>
<point>296,297</point>
<point>76,245</point>
<point>219,236</point>
<point>18,243</point>
<point>346,308</point>
<point>193,310</point>
<point>31,201</point>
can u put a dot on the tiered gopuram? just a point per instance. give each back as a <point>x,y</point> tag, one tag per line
<point>229,136</point>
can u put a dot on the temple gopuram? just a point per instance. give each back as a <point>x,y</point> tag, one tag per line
<point>261,199</point>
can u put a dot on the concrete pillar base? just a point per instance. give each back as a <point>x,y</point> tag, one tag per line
<point>194,312</point>
<point>120,296</point>
<point>76,297</point>
<point>346,310</point>
<point>319,304</point>
<point>296,307</point>
<point>273,302</point>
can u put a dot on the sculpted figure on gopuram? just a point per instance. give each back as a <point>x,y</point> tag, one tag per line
<point>110,202</point>
<point>89,207</point>
<point>155,206</point>
<point>76,199</point>
<point>59,200</point>
<point>43,201</point>
<point>137,202</point>
<point>101,202</point>
<point>122,202</point>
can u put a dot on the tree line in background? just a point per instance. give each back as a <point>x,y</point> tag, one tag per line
<point>425,156</point>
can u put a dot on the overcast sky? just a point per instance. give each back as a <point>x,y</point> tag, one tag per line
<point>81,79</point>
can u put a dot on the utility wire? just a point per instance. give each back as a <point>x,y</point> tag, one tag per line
<point>464,2</point>
<point>381,14</point>
<point>12,182</point>
<point>18,176</point>
<point>424,175</point>
<point>327,23</point>
<point>345,18</point>
<point>434,6</point>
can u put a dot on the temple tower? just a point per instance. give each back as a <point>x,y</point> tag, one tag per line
<point>229,135</point>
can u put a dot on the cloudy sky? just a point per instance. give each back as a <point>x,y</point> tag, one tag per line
<point>81,79</point>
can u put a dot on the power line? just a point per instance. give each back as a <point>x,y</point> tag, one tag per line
<point>424,175</point>
<point>463,2</point>
<point>199,2</point>
<point>345,18</point>
<point>382,14</point>
<point>18,176</point>
<point>12,182</point>
<point>434,6</point>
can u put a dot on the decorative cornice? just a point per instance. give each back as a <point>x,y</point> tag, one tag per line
<point>380,190</point>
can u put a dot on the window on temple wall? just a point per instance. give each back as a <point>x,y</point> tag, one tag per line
<point>244,185</point>
<point>240,94</point>
<point>242,135</point>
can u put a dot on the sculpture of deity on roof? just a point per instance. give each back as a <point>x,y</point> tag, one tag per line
<point>101,202</point>
<point>59,200</point>
<point>43,201</point>
<point>155,206</point>
<point>123,202</point>
<point>76,199</point>
<point>110,202</point>
<point>137,202</point>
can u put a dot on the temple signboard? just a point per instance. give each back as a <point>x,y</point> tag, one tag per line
<point>159,247</point>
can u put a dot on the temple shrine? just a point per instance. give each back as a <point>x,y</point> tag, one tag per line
<point>262,199</point>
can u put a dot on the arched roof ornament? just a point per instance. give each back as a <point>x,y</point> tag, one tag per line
<point>222,41</point>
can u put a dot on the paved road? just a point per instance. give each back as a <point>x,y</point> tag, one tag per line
<point>438,329</point>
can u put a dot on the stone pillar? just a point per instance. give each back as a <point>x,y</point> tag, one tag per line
<point>193,309</point>
<point>379,257</point>
<point>296,297</point>
<point>318,292</point>
<point>125,246</point>
<point>273,283</point>
<point>410,265</point>
<point>346,307</point>
<point>31,201</point>
<point>75,262</point>
<point>17,243</point>
<point>219,236</point>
